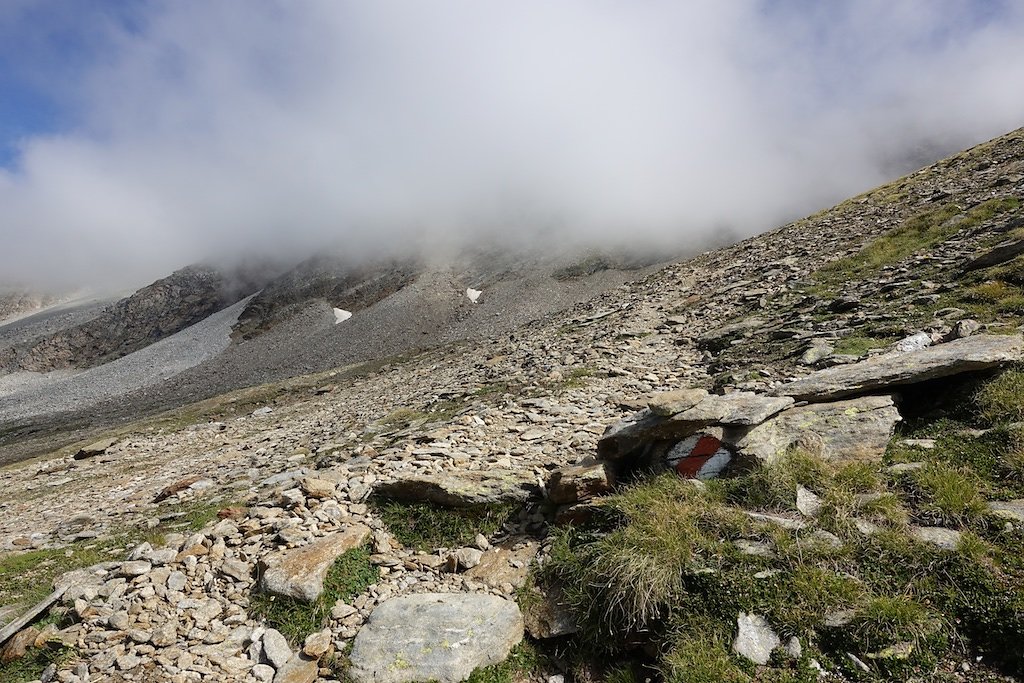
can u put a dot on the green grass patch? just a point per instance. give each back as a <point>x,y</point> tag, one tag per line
<point>659,568</point>
<point>31,666</point>
<point>521,665</point>
<point>948,495</point>
<point>921,231</point>
<point>1002,398</point>
<point>857,345</point>
<point>350,575</point>
<point>425,526</point>
<point>27,577</point>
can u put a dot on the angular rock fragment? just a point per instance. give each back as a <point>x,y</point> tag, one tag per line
<point>580,482</point>
<point>434,637</point>
<point>970,354</point>
<point>298,669</point>
<point>500,566</point>
<point>465,489</point>
<point>299,572</point>
<point>845,430</point>
<point>755,639</point>
<point>672,402</point>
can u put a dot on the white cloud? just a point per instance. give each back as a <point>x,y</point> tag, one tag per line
<point>216,127</point>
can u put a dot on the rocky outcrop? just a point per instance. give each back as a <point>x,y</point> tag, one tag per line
<point>154,312</point>
<point>331,279</point>
<point>857,429</point>
<point>434,637</point>
<point>971,354</point>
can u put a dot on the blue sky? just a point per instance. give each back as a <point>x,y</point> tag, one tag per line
<point>143,135</point>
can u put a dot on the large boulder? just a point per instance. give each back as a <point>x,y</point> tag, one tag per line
<point>466,489</point>
<point>845,430</point>
<point>975,353</point>
<point>434,637</point>
<point>300,572</point>
<point>696,411</point>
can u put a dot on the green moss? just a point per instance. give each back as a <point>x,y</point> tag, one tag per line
<point>350,575</point>
<point>425,526</point>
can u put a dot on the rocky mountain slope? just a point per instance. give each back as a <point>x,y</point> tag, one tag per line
<point>410,518</point>
<point>153,313</point>
<point>20,302</point>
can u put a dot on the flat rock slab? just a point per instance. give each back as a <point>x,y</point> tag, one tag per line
<point>856,429</point>
<point>299,573</point>
<point>97,448</point>
<point>1012,510</point>
<point>947,539</point>
<point>434,637</point>
<point>963,355</point>
<point>466,489</point>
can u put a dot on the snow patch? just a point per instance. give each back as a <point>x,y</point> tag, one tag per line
<point>341,315</point>
<point>473,294</point>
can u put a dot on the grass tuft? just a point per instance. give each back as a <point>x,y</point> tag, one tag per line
<point>425,526</point>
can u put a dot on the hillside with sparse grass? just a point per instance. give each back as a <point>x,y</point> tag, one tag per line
<point>796,458</point>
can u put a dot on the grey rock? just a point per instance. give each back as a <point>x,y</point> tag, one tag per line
<point>165,635</point>
<point>1001,253</point>
<point>845,430</point>
<point>818,350</point>
<point>975,353</point>
<point>947,539</point>
<point>276,648</point>
<point>915,342</point>
<point>669,403</point>
<point>1012,510</point>
<point>963,328</point>
<point>133,568</point>
<point>755,639</point>
<point>236,569</point>
<point>625,436</point>
<point>263,673</point>
<point>467,558</point>
<point>176,581</point>
<point>464,489</point>
<point>807,502</point>
<point>777,520</point>
<point>434,636</point>
<point>719,338</point>
<point>745,408</point>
